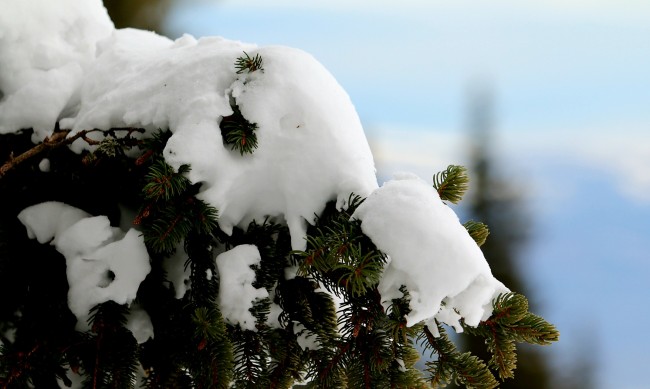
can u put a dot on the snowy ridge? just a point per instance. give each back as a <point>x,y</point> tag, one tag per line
<point>311,150</point>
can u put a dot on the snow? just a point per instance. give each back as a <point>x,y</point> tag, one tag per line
<point>306,339</point>
<point>44,165</point>
<point>45,48</point>
<point>66,63</point>
<point>102,262</point>
<point>429,251</point>
<point>176,271</point>
<point>307,155</point>
<point>236,292</point>
<point>134,78</point>
<point>76,379</point>
<point>139,323</point>
<point>187,86</point>
<point>46,220</point>
<point>273,318</point>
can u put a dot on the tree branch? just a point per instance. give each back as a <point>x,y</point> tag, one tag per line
<point>57,139</point>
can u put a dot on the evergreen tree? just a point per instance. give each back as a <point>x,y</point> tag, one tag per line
<point>497,204</point>
<point>88,304</point>
<point>193,346</point>
<point>143,14</point>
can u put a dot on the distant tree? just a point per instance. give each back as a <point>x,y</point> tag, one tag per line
<point>142,14</point>
<point>498,204</point>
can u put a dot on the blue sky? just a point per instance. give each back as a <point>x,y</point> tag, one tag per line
<point>571,86</point>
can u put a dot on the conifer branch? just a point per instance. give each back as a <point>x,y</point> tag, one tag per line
<point>250,356</point>
<point>16,366</point>
<point>478,231</point>
<point>60,138</point>
<point>511,322</point>
<point>171,211</point>
<point>246,63</point>
<point>57,139</point>
<point>451,183</point>
<point>339,255</point>
<point>331,374</point>
<point>164,183</point>
<point>211,359</point>
<point>463,368</point>
<point>510,312</point>
<point>396,318</point>
<point>113,356</point>
<point>238,132</point>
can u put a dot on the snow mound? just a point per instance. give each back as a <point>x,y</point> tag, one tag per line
<point>45,48</point>
<point>102,262</point>
<point>236,291</point>
<point>176,272</point>
<point>430,253</point>
<point>312,148</point>
<point>47,220</point>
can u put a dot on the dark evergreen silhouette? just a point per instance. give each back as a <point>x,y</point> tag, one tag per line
<point>500,205</point>
<point>143,14</point>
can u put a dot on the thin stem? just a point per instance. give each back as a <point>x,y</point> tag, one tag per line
<point>57,139</point>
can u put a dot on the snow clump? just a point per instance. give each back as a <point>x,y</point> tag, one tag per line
<point>45,50</point>
<point>429,251</point>
<point>103,263</point>
<point>236,291</point>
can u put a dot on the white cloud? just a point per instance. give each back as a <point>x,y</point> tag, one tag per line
<point>419,150</point>
<point>625,157</point>
<point>374,4</point>
<point>632,9</point>
<point>621,156</point>
<point>564,64</point>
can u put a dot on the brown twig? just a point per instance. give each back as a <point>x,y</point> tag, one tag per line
<point>48,143</point>
<point>57,139</point>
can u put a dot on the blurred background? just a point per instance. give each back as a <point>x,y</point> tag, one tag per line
<point>548,104</point>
